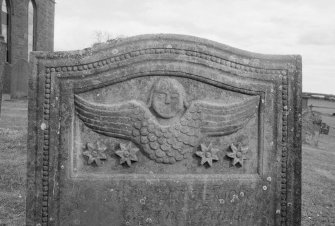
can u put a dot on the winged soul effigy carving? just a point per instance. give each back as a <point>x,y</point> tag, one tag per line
<point>168,128</point>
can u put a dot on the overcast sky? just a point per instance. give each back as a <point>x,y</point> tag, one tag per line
<point>305,27</point>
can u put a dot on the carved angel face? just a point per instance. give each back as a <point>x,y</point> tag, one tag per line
<point>167,98</point>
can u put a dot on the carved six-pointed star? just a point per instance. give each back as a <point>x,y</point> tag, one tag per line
<point>95,153</point>
<point>127,153</point>
<point>238,153</point>
<point>207,154</point>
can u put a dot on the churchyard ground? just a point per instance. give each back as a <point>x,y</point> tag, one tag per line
<point>318,171</point>
<point>13,149</point>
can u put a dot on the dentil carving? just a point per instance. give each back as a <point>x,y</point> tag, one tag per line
<point>168,128</point>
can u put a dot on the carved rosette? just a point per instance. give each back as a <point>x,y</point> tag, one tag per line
<point>127,153</point>
<point>238,154</point>
<point>95,153</point>
<point>208,154</point>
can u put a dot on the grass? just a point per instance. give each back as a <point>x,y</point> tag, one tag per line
<point>13,150</point>
<point>318,177</point>
<point>318,183</point>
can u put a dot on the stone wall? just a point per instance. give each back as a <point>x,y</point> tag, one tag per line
<point>44,26</point>
<point>19,31</point>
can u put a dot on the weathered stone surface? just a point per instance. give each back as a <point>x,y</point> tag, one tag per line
<point>18,38</point>
<point>7,68</point>
<point>2,58</point>
<point>164,130</point>
<point>311,124</point>
<point>1,84</point>
<point>20,72</point>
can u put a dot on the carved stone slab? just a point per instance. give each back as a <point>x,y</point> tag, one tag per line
<point>2,62</point>
<point>19,79</point>
<point>164,130</point>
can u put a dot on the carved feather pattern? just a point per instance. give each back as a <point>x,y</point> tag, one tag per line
<point>133,121</point>
<point>225,119</point>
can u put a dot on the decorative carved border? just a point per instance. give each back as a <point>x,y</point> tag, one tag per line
<point>132,54</point>
<point>46,132</point>
<point>283,188</point>
<point>129,55</point>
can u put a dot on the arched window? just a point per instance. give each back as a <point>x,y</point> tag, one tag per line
<point>5,24</point>
<point>31,26</point>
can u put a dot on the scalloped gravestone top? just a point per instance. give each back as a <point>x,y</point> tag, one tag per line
<point>164,130</point>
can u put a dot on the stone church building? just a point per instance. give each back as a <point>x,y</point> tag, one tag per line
<point>26,25</point>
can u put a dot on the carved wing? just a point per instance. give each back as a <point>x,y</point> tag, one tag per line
<point>225,119</point>
<point>115,120</point>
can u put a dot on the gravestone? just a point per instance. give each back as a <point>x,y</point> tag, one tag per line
<point>311,127</point>
<point>164,130</point>
<point>7,68</point>
<point>19,79</point>
<point>1,84</point>
<point>2,62</point>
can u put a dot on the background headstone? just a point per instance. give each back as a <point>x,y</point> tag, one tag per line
<point>6,77</point>
<point>1,84</point>
<point>164,130</point>
<point>311,124</point>
<point>2,61</point>
<point>19,79</point>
